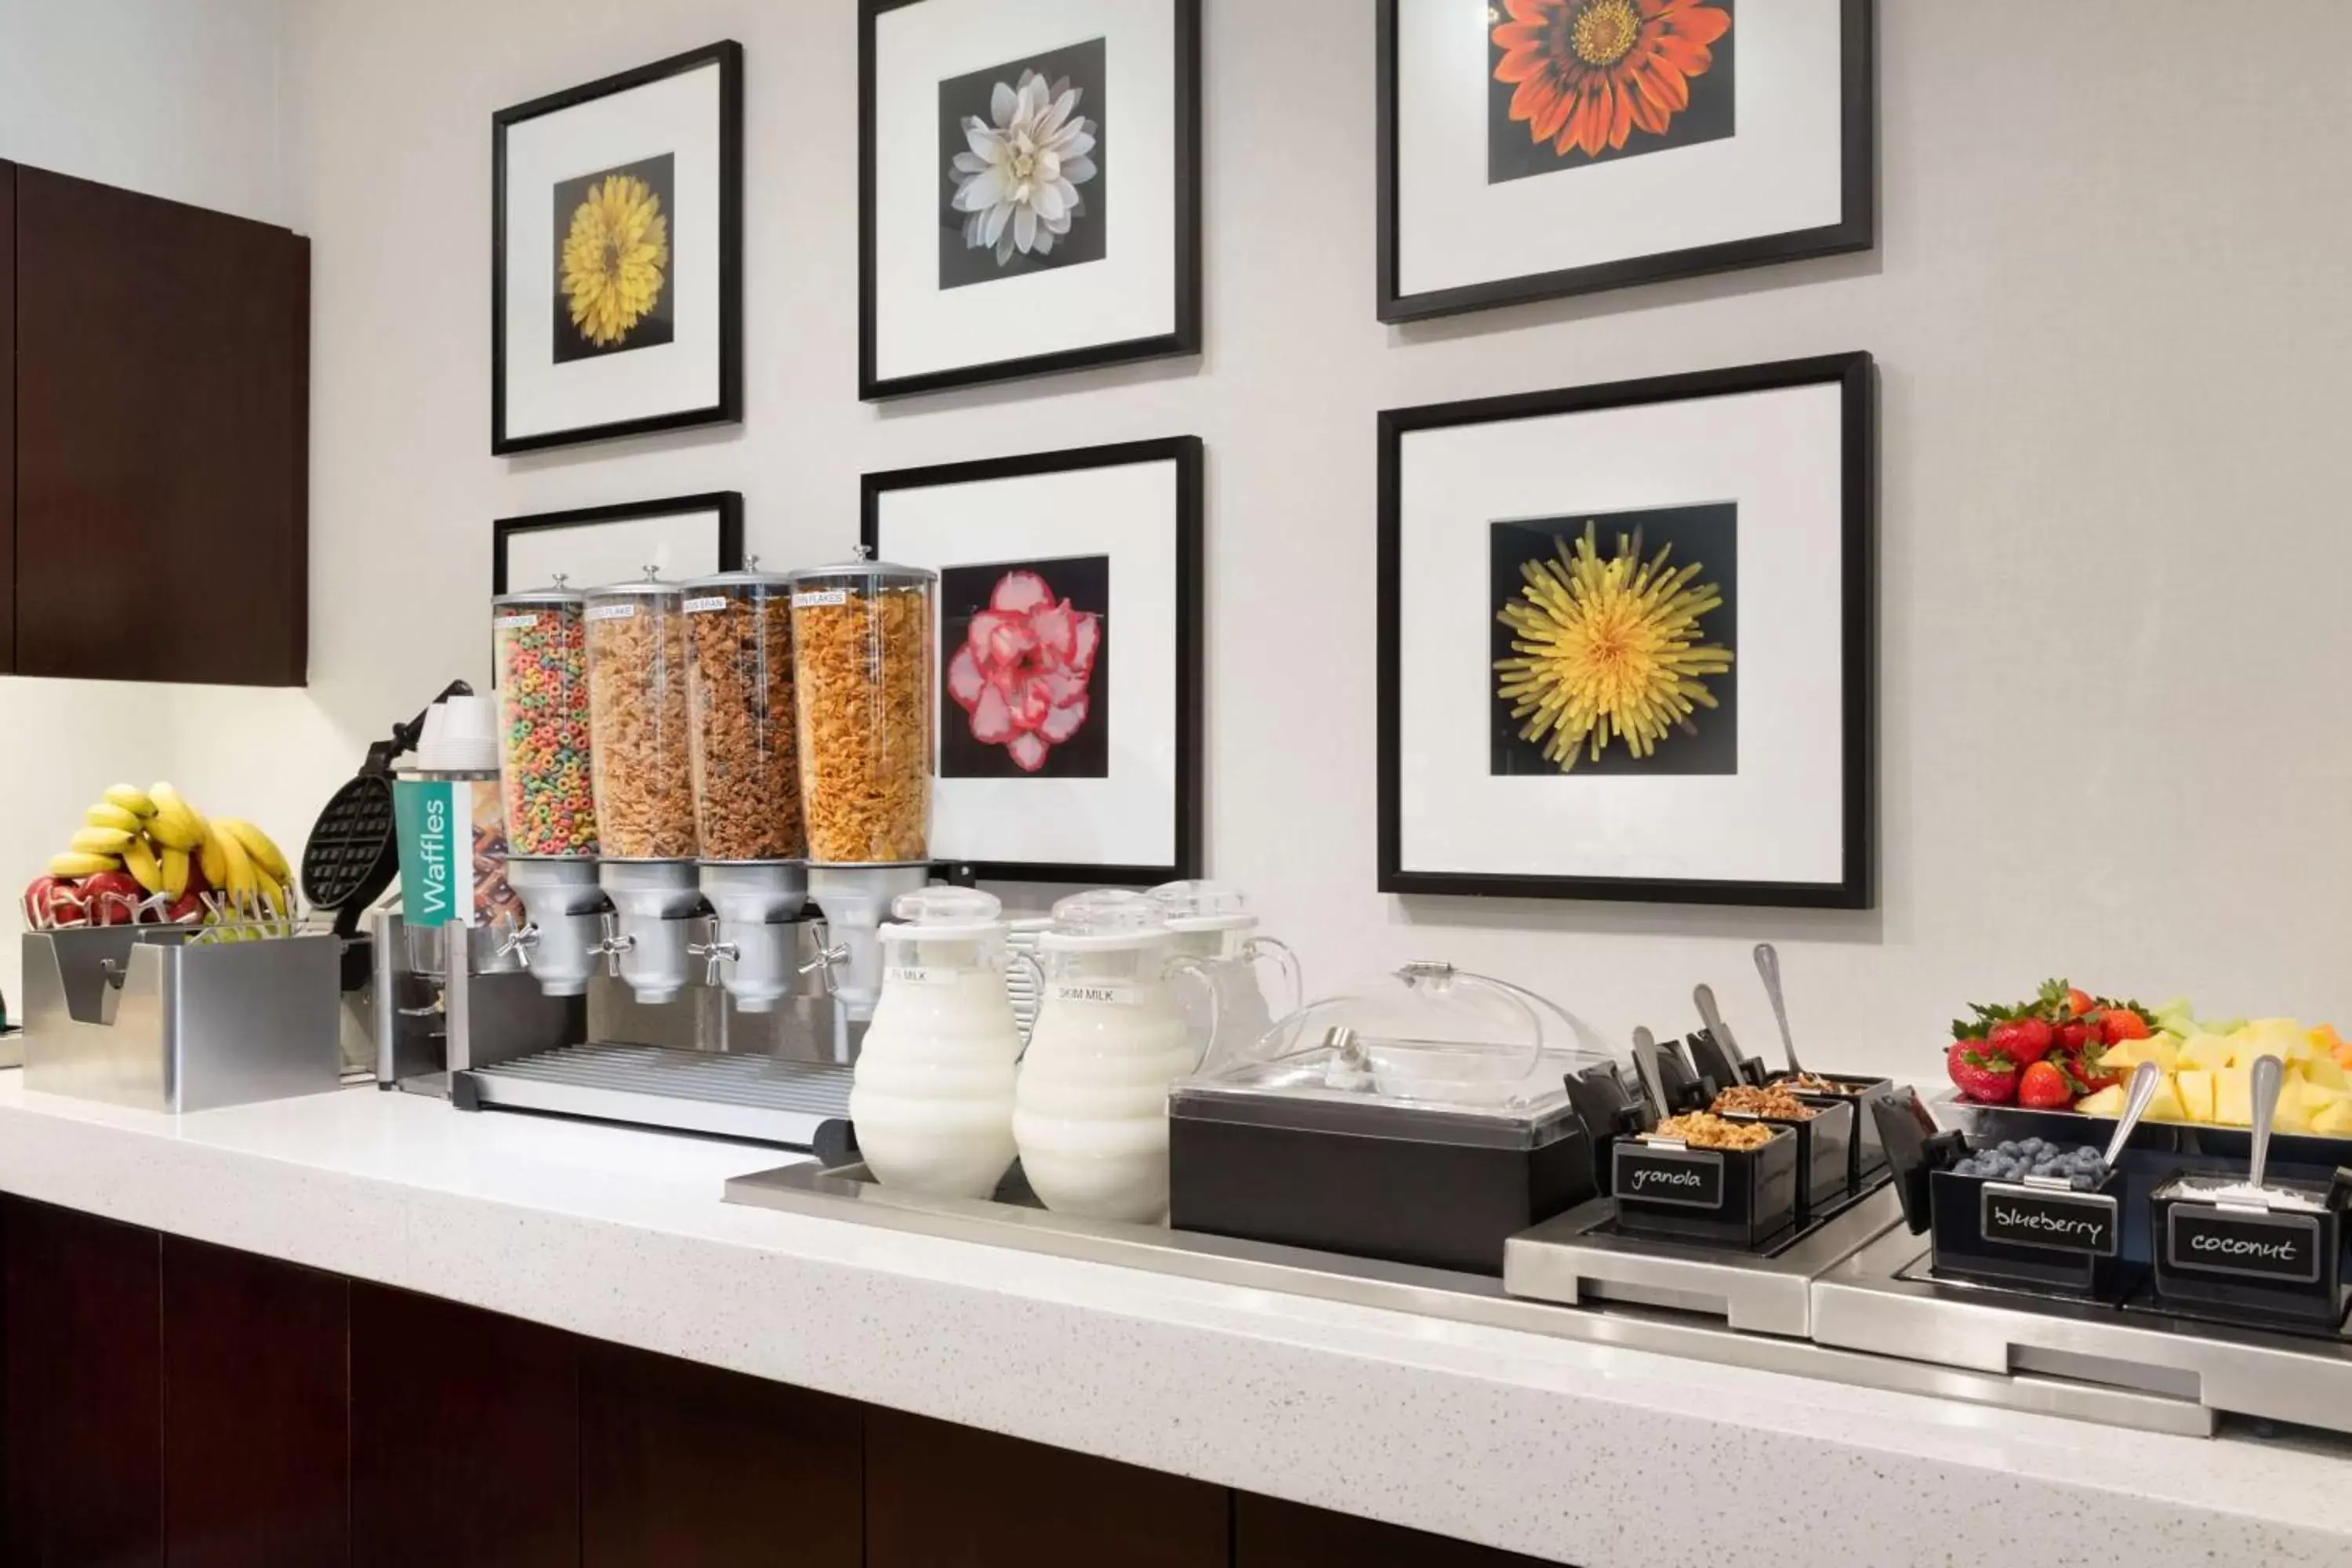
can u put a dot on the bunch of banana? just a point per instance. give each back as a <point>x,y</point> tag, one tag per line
<point>166,847</point>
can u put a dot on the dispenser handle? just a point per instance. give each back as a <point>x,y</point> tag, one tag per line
<point>828,953</point>
<point>713,954</point>
<point>520,942</point>
<point>1286,963</point>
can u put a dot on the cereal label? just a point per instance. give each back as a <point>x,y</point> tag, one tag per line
<point>818,598</point>
<point>513,623</point>
<point>611,612</point>
<point>704,606</point>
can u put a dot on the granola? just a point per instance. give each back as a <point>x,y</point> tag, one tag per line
<point>1703,1129</point>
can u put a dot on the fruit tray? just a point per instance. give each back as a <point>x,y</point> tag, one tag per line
<point>1994,1122</point>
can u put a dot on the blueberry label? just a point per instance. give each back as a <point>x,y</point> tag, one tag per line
<point>2282,1248</point>
<point>1683,1178</point>
<point>2021,1216</point>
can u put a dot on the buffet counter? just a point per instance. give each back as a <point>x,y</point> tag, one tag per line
<point>1574,1452</point>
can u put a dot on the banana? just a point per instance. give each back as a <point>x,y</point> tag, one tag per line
<point>176,825</point>
<point>105,813</point>
<point>100,840</point>
<point>240,885</point>
<point>174,870</point>
<point>258,844</point>
<point>75,863</point>
<point>213,859</point>
<point>131,799</point>
<point>140,861</point>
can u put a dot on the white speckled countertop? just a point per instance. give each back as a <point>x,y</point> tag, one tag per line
<point>1579,1453</point>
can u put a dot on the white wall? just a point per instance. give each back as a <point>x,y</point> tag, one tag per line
<point>2108,307</point>
<point>179,98</point>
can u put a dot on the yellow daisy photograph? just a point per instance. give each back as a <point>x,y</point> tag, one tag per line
<point>614,262</point>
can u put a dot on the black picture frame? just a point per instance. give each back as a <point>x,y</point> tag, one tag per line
<point>1855,375</point>
<point>727,408</point>
<point>727,505</point>
<point>1185,336</point>
<point>1856,228</point>
<point>1189,453</point>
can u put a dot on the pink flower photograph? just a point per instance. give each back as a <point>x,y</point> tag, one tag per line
<point>1025,656</point>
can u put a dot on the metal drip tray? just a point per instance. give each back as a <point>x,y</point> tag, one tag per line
<point>1884,1299</point>
<point>768,1100</point>
<point>1581,1256</point>
<point>849,1193</point>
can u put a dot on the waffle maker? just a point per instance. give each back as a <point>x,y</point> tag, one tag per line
<point>353,853</point>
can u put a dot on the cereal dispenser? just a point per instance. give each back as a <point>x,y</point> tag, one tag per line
<point>862,659</point>
<point>641,754</point>
<point>539,643</point>
<point>746,774</point>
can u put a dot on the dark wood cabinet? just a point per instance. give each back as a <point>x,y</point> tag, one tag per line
<point>7,417</point>
<point>84,1392</point>
<point>465,1436</point>
<point>943,1496</point>
<point>255,1398</point>
<point>162,394</point>
<point>681,1463</point>
<point>1270,1533</point>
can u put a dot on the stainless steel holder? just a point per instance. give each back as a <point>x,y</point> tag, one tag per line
<point>172,1018</point>
<point>849,1193</point>
<point>1883,1299</point>
<point>1578,1257</point>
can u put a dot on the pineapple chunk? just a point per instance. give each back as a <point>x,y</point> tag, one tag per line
<point>2233,1097</point>
<point>2336,1121</point>
<point>2195,1087</point>
<point>2163,1049</point>
<point>2295,1112</point>
<point>2206,1053</point>
<point>2323,1071</point>
<point>2127,1055</point>
<point>2109,1101</point>
<point>2165,1105</point>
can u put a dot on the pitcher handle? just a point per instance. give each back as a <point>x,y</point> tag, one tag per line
<point>1037,984</point>
<point>1286,963</point>
<point>1200,969</point>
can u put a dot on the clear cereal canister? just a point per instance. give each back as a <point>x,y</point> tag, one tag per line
<point>539,643</point>
<point>639,729</point>
<point>862,657</point>
<point>747,785</point>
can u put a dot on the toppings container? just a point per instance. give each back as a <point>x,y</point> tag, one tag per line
<point>1825,1146</point>
<point>2274,1253</point>
<point>638,720</point>
<point>1734,1197</point>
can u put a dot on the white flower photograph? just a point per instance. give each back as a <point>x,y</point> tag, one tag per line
<point>1024,167</point>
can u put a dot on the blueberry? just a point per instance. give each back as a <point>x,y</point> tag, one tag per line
<point>2006,1147</point>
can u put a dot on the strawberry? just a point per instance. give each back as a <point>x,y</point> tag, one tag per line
<point>2044,1087</point>
<point>1981,1075</point>
<point>2022,1040</point>
<point>2074,1034</point>
<point>2078,1001</point>
<point>2088,1068</point>
<point>2122,1021</point>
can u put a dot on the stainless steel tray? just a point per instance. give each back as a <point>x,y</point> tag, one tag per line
<point>1883,1300</point>
<point>1578,1256</point>
<point>848,1193</point>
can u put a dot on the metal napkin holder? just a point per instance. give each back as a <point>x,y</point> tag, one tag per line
<point>173,1018</point>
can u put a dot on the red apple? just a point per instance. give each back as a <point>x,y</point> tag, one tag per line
<point>111,897</point>
<point>188,907</point>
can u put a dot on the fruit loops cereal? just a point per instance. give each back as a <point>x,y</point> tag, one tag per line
<point>543,662</point>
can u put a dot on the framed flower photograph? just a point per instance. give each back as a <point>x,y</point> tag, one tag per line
<point>1531,148</point>
<point>1029,197</point>
<point>1625,641</point>
<point>616,255</point>
<point>1068,682</point>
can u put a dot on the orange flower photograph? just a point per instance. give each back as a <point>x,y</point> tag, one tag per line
<point>1579,82</point>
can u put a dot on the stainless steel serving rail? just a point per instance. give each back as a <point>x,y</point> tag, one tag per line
<point>848,1193</point>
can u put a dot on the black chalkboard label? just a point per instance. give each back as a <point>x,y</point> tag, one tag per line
<point>2063,1222</point>
<point>1684,1178</point>
<point>2282,1248</point>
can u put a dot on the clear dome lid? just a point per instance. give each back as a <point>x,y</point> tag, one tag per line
<point>863,574</point>
<point>650,586</point>
<point>1428,1034</point>
<point>748,575</point>
<point>1202,906</point>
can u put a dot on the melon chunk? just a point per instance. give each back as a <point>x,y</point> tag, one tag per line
<point>2109,1101</point>
<point>2207,1053</point>
<point>2195,1087</point>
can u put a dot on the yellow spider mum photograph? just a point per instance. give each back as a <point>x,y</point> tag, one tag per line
<point>613,261</point>
<point>1613,644</point>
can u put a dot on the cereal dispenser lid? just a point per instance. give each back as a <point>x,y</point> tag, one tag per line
<point>748,575</point>
<point>863,573</point>
<point>650,586</point>
<point>555,593</point>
